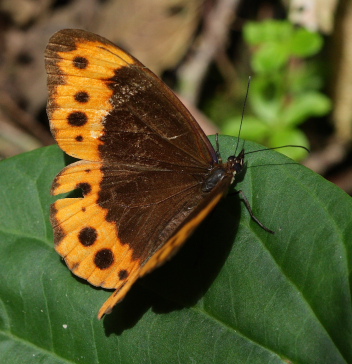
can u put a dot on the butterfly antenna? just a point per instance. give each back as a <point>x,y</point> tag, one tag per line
<point>243,110</point>
<point>283,146</point>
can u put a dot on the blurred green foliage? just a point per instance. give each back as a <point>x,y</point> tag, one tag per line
<point>284,90</point>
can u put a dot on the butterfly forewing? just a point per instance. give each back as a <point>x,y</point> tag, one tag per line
<point>117,107</point>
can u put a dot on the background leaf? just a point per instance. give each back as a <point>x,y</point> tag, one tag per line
<point>304,106</point>
<point>256,33</point>
<point>234,293</point>
<point>305,43</point>
<point>290,137</point>
<point>251,129</point>
<point>270,58</point>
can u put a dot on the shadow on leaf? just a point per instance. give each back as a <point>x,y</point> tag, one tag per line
<point>185,279</point>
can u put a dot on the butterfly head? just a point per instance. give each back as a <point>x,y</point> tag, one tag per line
<point>235,164</point>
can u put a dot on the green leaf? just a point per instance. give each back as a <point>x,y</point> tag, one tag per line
<point>305,43</point>
<point>304,106</point>
<point>271,57</point>
<point>307,76</point>
<point>290,137</point>
<point>266,100</point>
<point>233,294</point>
<point>256,33</point>
<point>252,128</point>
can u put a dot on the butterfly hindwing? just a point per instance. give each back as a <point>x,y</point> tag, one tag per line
<point>83,236</point>
<point>166,251</point>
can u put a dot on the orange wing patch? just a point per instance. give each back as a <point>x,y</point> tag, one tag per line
<point>88,243</point>
<point>79,100</point>
<point>79,93</point>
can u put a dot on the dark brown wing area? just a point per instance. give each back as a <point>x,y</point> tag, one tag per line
<point>150,126</point>
<point>148,206</point>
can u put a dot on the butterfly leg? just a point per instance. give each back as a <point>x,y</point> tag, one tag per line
<point>218,148</point>
<point>249,208</point>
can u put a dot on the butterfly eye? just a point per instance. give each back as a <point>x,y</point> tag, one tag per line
<point>235,164</point>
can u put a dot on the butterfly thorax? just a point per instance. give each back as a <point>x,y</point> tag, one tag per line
<point>217,174</point>
<point>223,171</point>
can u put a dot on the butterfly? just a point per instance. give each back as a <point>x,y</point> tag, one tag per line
<point>147,171</point>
